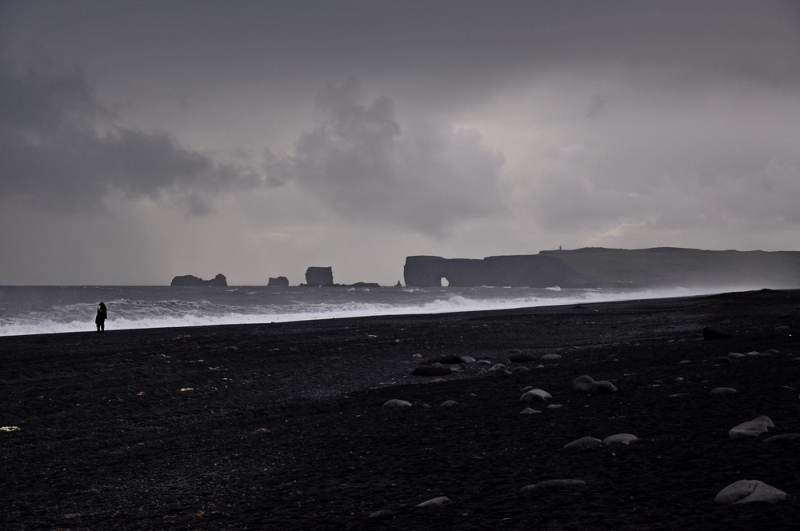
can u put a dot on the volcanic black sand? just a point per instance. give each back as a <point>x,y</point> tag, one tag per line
<point>282,426</point>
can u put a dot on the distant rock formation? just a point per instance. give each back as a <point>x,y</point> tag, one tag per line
<point>190,280</point>
<point>280,282</point>
<point>319,276</point>
<point>523,270</point>
<point>599,267</point>
<point>364,285</point>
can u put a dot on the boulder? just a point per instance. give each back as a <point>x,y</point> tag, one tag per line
<point>748,491</point>
<point>280,282</point>
<point>394,402</point>
<point>535,394</point>
<point>552,484</point>
<point>584,442</point>
<point>587,384</point>
<point>752,428</point>
<point>435,502</point>
<point>620,438</point>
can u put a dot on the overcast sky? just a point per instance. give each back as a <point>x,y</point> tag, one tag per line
<point>142,140</point>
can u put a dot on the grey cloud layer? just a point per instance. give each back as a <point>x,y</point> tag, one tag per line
<point>60,149</point>
<point>365,166</point>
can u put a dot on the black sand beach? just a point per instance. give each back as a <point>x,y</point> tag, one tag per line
<point>283,426</point>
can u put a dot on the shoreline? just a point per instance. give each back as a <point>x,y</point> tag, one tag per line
<point>422,308</point>
<point>282,426</point>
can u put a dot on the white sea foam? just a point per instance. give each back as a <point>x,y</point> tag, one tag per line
<point>50,310</point>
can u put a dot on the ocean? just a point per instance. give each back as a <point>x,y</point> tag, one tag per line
<point>58,309</point>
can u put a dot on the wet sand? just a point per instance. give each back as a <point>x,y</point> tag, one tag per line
<point>282,426</point>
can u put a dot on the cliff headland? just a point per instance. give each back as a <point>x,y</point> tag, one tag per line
<point>595,267</point>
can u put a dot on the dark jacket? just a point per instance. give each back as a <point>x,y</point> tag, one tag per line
<point>102,315</point>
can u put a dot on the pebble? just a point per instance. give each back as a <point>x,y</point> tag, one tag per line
<point>394,402</point>
<point>751,428</point>
<point>584,442</point>
<point>381,513</point>
<point>722,359</point>
<point>679,379</point>
<point>418,356</point>
<point>735,355</point>
<point>683,361</point>
<point>547,357</point>
<point>467,359</point>
<point>535,394</point>
<point>587,384</point>
<point>529,411</point>
<point>748,491</point>
<point>719,391</point>
<point>620,438</point>
<point>554,406</point>
<point>552,484</point>
<point>483,362</point>
<point>448,403</point>
<point>435,502</point>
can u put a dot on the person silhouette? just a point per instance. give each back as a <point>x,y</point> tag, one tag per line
<point>100,320</point>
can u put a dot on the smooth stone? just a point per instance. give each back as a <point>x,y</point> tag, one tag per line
<point>772,351</point>
<point>535,394</point>
<point>498,367</point>
<point>521,358</point>
<point>719,391</point>
<point>527,388</point>
<point>710,334</point>
<point>529,411</point>
<point>394,402</point>
<point>483,362</point>
<point>431,370</point>
<point>548,357</point>
<point>467,359</point>
<point>418,356</point>
<point>519,369</point>
<point>679,379</point>
<point>585,442</point>
<point>783,438</point>
<point>553,484</point>
<point>677,395</point>
<point>683,361</point>
<point>554,406</point>
<point>513,351</point>
<point>748,491</point>
<point>435,502</point>
<point>381,513</point>
<point>722,359</point>
<point>754,353</point>
<point>582,384</point>
<point>620,438</point>
<point>735,355</point>
<point>603,387</point>
<point>448,403</point>
<point>751,428</point>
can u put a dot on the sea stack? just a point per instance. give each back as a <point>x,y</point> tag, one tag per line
<point>280,282</point>
<point>319,276</point>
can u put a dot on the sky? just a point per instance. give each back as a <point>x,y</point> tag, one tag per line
<point>141,140</point>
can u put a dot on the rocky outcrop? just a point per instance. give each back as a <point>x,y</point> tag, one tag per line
<point>280,282</point>
<point>319,276</point>
<point>598,267</point>
<point>535,271</point>
<point>190,280</point>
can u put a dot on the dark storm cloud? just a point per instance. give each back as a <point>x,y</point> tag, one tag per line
<point>361,163</point>
<point>61,150</point>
